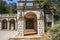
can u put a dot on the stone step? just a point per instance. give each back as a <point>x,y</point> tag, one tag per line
<point>32,37</point>
<point>29,32</point>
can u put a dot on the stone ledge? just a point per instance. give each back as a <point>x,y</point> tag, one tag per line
<point>32,37</point>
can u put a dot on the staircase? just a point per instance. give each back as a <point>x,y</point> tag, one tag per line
<point>32,37</point>
<point>29,32</point>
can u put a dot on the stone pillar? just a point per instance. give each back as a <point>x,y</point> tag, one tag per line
<point>20,27</point>
<point>15,25</point>
<point>20,23</point>
<point>41,23</point>
<point>0,25</point>
<point>52,21</point>
<point>8,25</point>
<point>40,27</point>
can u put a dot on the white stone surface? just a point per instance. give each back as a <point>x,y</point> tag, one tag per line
<point>0,25</point>
<point>40,27</point>
<point>20,27</point>
<point>8,26</point>
<point>5,35</point>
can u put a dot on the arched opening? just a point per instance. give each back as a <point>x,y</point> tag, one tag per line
<point>4,24</point>
<point>30,23</point>
<point>12,24</point>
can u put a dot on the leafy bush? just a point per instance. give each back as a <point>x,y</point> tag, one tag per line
<point>54,32</point>
<point>47,28</point>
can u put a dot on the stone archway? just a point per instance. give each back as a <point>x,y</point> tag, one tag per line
<point>12,24</point>
<point>4,24</point>
<point>30,21</point>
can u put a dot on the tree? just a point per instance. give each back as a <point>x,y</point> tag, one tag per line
<point>54,32</point>
<point>54,7</point>
<point>43,2</point>
<point>3,7</point>
<point>57,5</point>
<point>8,8</point>
<point>13,7</point>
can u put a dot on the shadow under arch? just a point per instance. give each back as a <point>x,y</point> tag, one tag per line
<point>12,24</point>
<point>30,19</point>
<point>4,24</point>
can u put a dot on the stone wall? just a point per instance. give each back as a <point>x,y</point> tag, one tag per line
<point>40,23</point>
<point>8,18</point>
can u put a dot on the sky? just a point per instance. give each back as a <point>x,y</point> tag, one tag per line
<point>11,1</point>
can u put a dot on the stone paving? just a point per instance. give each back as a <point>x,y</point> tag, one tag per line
<point>31,37</point>
<point>5,35</point>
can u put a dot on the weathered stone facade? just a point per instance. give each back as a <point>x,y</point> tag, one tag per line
<point>5,21</point>
<point>18,21</point>
<point>25,19</point>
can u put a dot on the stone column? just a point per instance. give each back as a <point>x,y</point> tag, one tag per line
<point>52,20</point>
<point>20,27</point>
<point>41,24</point>
<point>15,25</point>
<point>8,25</point>
<point>20,23</point>
<point>40,27</point>
<point>0,25</point>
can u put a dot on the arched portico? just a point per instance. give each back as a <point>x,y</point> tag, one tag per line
<point>12,24</point>
<point>30,21</point>
<point>4,24</point>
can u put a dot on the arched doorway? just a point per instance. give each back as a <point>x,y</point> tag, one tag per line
<point>30,22</point>
<point>4,24</point>
<point>12,24</point>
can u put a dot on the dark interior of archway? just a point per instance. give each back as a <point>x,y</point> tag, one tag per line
<point>4,24</point>
<point>29,23</point>
<point>12,22</point>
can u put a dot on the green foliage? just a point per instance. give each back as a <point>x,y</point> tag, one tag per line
<point>13,7</point>
<point>57,5</point>
<point>3,7</point>
<point>43,2</point>
<point>54,32</point>
<point>47,28</point>
<point>56,18</point>
<point>10,11</point>
<point>8,8</point>
<point>46,4</point>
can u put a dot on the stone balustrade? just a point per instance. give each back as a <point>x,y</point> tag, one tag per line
<point>8,15</point>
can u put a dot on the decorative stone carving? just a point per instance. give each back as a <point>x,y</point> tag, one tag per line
<point>41,24</point>
<point>20,27</point>
<point>40,27</point>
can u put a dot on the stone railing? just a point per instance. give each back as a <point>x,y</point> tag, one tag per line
<point>8,15</point>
